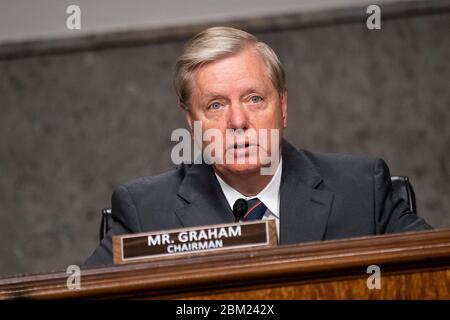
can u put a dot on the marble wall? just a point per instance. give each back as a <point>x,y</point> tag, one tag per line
<point>75,125</point>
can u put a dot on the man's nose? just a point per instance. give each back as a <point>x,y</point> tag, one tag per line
<point>238,118</point>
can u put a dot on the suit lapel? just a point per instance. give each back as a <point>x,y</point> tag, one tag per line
<point>304,208</point>
<point>205,202</point>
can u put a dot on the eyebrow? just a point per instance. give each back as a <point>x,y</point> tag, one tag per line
<point>253,90</point>
<point>213,95</point>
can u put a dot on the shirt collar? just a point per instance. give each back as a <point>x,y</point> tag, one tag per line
<point>270,195</point>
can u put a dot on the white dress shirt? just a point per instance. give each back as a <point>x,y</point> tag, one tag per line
<point>270,196</point>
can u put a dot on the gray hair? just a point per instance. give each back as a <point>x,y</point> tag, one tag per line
<point>219,42</point>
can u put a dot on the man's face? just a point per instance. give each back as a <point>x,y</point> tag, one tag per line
<point>237,93</point>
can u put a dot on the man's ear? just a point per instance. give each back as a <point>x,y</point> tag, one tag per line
<point>284,107</point>
<point>187,114</point>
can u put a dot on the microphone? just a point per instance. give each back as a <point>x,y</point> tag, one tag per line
<point>240,208</point>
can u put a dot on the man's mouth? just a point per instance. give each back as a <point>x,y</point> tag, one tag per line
<point>244,145</point>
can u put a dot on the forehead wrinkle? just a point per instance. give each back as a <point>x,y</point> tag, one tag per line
<point>218,86</point>
<point>230,75</point>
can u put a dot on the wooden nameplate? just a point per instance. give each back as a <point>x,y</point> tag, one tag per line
<point>203,240</point>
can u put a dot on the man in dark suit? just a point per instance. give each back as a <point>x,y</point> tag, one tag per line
<point>227,80</point>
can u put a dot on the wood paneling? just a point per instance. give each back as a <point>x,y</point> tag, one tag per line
<point>413,266</point>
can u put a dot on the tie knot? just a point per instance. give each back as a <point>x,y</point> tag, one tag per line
<point>252,202</point>
<point>256,210</point>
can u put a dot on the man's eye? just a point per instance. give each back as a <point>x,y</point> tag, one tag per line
<point>256,99</point>
<point>214,106</point>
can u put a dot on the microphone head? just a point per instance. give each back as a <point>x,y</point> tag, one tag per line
<point>240,208</point>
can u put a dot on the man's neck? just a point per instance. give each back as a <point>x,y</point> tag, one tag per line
<point>247,184</point>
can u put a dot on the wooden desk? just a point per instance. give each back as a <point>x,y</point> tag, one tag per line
<point>413,266</point>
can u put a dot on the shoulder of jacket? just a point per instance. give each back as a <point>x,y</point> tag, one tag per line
<point>160,181</point>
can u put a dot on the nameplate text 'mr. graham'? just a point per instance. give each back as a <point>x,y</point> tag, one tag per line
<point>192,241</point>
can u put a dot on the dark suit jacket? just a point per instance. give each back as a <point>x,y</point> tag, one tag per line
<point>322,196</point>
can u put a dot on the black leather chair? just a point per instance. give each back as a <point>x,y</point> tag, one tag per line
<point>106,222</point>
<point>401,187</point>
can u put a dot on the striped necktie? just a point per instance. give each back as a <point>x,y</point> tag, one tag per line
<point>256,210</point>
